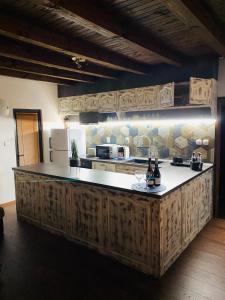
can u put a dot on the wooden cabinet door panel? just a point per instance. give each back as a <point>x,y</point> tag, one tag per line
<point>129,169</point>
<point>170,227</point>
<point>103,166</point>
<point>128,227</point>
<point>78,104</point>
<point>84,214</point>
<point>65,105</point>
<point>166,95</point>
<point>189,211</point>
<point>28,201</point>
<point>91,102</point>
<point>108,102</point>
<point>53,194</point>
<point>147,97</point>
<point>202,91</point>
<point>205,198</point>
<point>127,100</point>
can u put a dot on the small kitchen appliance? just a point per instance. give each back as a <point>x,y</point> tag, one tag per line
<point>107,151</point>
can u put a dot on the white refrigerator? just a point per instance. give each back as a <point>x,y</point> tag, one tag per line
<point>60,144</point>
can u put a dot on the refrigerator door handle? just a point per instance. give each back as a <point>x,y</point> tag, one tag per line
<point>50,142</point>
<point>50,156</point>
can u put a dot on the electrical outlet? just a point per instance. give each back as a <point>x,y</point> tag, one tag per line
<point>198,142</point>
<point>205,142</point>
<point>108,139</point>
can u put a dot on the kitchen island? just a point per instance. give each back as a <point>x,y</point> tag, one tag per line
<point>99,209</point>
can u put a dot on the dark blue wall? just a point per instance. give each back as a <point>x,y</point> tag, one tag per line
<point>159,74</point>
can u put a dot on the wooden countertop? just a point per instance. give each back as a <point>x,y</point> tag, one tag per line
<point>172,177</point>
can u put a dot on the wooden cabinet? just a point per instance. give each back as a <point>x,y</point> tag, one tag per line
<point>129,227</point>
<point>147,97</point>
<point>65,105</point>
<point>127,100</point>
<point>91,102</point>
<point>140,231</point>
<point>118,167</point>
<point>27,195</point>
<point>205,198</point>
<point>128,169</point>
<point>103,166</point>
<point>166,95</point>
<point>202,91</point>
<point>53,195</point>
<point>84,214</point>
<point>190,212</point>
<point>108,102</point>
<point>170,228</point>
<point>78,104</point>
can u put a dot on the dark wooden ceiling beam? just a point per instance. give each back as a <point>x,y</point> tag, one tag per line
<point>24,75</point>
<point>200,21</point>
<point>36,55</point>
<point>21,30</point>
<point>87,14</point>
<point>9,63</point>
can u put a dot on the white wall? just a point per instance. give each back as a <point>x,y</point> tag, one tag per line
<point>221,77</point>
<point>23,93</point>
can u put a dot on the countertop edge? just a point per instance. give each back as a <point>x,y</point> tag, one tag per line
<point>152,195</point>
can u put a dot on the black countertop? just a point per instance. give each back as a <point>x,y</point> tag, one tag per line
<point>172,177</point>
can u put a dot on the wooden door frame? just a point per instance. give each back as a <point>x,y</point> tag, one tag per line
<point>40,130</point>
<point>218,133</point>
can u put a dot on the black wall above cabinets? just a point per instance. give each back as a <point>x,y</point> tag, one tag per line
<point>158,74</point>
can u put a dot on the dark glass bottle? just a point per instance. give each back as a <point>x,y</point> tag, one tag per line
<point>150,174</point>
<point>157,174</point>
<point>193,158</point>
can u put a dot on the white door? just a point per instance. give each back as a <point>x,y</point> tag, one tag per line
<point>61,158</point>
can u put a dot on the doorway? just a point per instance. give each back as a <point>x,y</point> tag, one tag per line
<point>220,160</point>
<point>29,144</point>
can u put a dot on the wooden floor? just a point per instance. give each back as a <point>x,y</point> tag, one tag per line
<point>38,265</point>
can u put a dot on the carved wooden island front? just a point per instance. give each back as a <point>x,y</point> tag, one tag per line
<point>98,209</point>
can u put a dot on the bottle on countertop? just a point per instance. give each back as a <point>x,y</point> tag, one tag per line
<point>193,157</point>
<point>121,152</point>
<point>199,157</point>
<point>150,180</point>
<point>157,174</point>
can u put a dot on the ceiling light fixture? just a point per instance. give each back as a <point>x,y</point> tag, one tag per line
<point>78,61</point>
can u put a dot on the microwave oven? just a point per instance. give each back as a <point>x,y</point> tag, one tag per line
<point>106,151</point>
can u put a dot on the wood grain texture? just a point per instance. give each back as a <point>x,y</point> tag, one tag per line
<point>170,229</point>
<point>145,233</point>
<point>202,92</point>
<point>166,95</point>
<point>147,97</point>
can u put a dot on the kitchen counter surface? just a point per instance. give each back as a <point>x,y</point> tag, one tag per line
<point>172,177</point>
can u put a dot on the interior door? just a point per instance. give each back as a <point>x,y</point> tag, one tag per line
<point>27,137</point>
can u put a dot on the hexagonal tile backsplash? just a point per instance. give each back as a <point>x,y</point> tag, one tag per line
<point>164,141</point>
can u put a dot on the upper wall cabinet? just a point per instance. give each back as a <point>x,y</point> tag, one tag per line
<point>147,97</point>
<point>127,100</point>
<point>202,91</point>
<point>108,102</point>
<point>65,105</point>
<point>196,92</point>
<point>91,102</point>
<point>78,104</point>
<point>166,95</point>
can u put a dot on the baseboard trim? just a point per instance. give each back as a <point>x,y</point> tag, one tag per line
<point>13,202</point>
